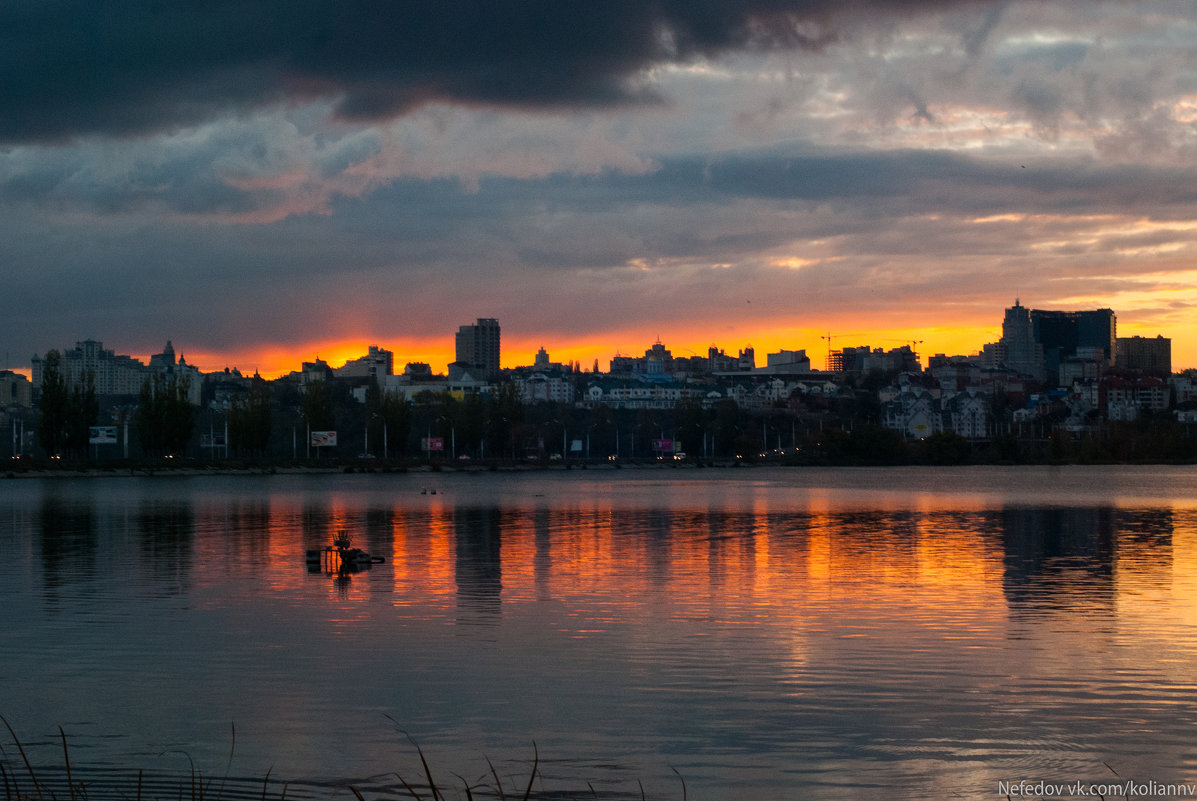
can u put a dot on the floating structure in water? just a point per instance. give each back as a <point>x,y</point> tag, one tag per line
<point>341,556</point>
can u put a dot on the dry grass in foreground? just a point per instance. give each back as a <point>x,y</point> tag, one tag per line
<point>23,782</point>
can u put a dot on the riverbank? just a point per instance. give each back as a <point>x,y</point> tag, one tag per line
<point>960,456</point>
<point>61,469</point>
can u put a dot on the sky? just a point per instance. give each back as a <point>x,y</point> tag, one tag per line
<point>265,182</point>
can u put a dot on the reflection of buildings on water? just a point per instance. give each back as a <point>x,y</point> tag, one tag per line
<point>80,541</point>
<point>377,535</point>
<point>1066,557</point>
<point>166,535</point>
<point>68,539</point>
<point>248,523</point>
<point>315,524</point>
<point>658,527</point>
<point>542,560</point>
<point>478,568</point>
<point>370,528</point>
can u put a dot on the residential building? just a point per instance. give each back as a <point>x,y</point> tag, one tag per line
<point>969,414</point>
<point>787,361</point>
<point>637,395</point>
<point>544,380</point>
<point>1079,369</point>
<point>416,386</point>
<point>720,362</point>
<point>377,362</point>
<point>165,364</point>
<point>1123,398</point>
<point>222,388</point>
<point>477,350</point>
<point>1146,355</point>
<point>314,371</point>
<point>657,361</point>
<point>535,386</point>
<point>1018,349</point>
<point>915,412</point>
<point>113,374</point>
<point>118,374</point>
<point>1184,387</point>
<point>417,370</point>
<point>1038,343</point>
<point>15,390</point>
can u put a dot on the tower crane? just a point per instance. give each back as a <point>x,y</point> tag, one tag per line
<point>913,343</point>
<point>829,337</point>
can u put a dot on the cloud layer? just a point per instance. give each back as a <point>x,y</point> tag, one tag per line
<point>76,67</point>
<point>239,175</point>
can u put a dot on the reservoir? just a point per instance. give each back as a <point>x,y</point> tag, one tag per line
<point>764,633</point>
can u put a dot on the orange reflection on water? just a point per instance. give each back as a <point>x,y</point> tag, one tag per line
<point>930,564</point>
<point>423,553</point>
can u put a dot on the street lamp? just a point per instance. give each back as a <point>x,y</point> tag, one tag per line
<point>588,430</point>
<point>452,436</point>
<point>377,416</point>
<point>563,435</point>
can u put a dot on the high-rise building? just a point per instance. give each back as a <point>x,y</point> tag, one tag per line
<point>1150,356</point>
<point>1018,348</point>
<point>478,349</point>
<point>113,374</point>
<point>1064,335</point>
<point>1037,343</point>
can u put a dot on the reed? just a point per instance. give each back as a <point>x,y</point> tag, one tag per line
<point>22,782</point>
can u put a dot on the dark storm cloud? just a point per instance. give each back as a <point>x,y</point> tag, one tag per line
<point>70,67</point>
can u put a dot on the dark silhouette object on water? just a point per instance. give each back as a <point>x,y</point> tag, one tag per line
<point>340,557</point>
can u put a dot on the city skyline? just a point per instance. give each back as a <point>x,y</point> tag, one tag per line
<point>1022,347</point>
<point>750,172</point>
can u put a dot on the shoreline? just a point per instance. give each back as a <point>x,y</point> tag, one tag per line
<point>142,470</point>
<point>41,470</point>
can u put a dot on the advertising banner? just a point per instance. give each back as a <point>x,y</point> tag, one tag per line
<point>102,435</point>
<point>324,439</point>
<point>663,445</point>
<point>432,443</point>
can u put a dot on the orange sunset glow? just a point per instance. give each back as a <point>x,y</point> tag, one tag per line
<point>519,350</point>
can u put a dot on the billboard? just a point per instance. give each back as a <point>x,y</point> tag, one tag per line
<point>324,439</point>
<point>212,440</point>
<point>432,443</point>
<point>663,445</point>
<point>101,435</point>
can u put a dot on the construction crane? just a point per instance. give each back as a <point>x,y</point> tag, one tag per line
<point>830,336</point>
<point>912,343</point>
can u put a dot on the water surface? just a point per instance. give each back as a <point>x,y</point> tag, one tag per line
<point>773,634</point>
